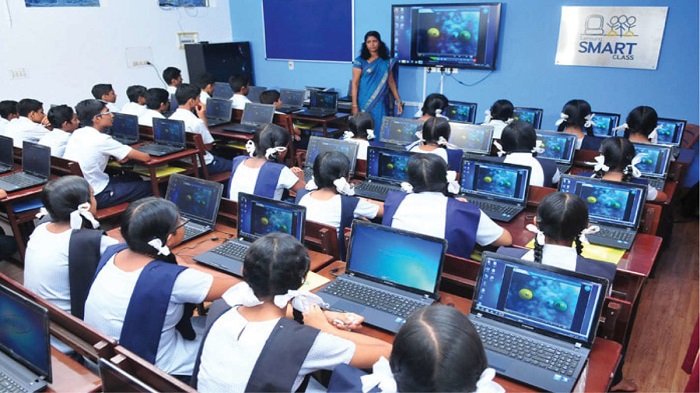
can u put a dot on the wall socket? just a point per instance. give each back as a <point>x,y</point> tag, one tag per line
<point>139,63</point>
<point>18,73</point>
<point>291,65</point>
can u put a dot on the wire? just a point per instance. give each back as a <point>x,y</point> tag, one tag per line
<point>155,69</point>
<point>470,84</point>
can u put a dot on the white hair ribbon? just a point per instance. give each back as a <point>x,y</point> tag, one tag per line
<point>343,187</point>
<point>539,149</point>
<point>241,294</point>
<point>273,151</point>
<point>301,300</point>
<point>654,135</point>
<point>589,120</point>
<point>621,127</point>
<point>438,113</point>
<point>250,148</point>
<point>599,164</point>
<point>370,134</point>
<point>382,376</point>
<point>588,231</point>
<point>42,212</point>
<point>539,235</point>
<point>348,135</point>
<point>158,245</point>
<point>311,184</point>
<point>633,165</point>
<point>443,142</point>
<point>488,116</point>
<point>420,141</point>
<point>501,152</point>
<point>76,216</point>
<point>562,118</point>
<point>510,120</point>
<point>486,384</point>
<point>406,187</point>
<point>452,185</point>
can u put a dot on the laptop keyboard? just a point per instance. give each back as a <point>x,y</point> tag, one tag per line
<point>233,250</point>
<point>19,179</point>
<point>625,236</point>
<point>494,207</point>
<point>370,188</point>
<point>8,385</point>
<point>657,183</point>
<point>527,350</point>
<point>191,232</point>
<point>380,300</point>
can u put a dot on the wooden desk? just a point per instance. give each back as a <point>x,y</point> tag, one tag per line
<point>71,376</point>
<point>21,223</point>
<point>339,119</point>
<point>169,159</point>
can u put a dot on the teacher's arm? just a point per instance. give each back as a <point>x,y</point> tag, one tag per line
<point>356,74</point>
<point>395,93</point>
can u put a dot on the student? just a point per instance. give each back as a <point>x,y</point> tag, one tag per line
<point>518,142</point>
<point>239,85</point>
<point>577,119</point>
<point>137,101</point>
<point>253,334</point>
<point>30,125</point>
<point>641,125</point>
<point>205,82</point>
<point>273,97</point>
<point>105,93</point>
<point>8,244</point>
<point>63,121</point>
<point>424,207</point>
<point>91,148</point>
<point>173,78</point>
<point>499,116</point>
<point>434,105</point>
<point>433,138</point>
<point>188,97</point>
<point>261,173</point>
<point>361,130</point>
<point>157,102</point>
<point>125,303</point>
<point>8,112</point>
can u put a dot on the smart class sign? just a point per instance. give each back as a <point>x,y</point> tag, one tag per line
<point>620,37</point>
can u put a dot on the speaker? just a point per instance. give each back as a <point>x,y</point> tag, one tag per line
<point>222,60</point>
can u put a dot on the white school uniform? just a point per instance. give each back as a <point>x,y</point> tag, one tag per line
<point>526,159</point>
<point>22,129</point>
<point>195,125</point>
<point>328,211</point>
<point>203,97</point>
<point>239,101</point>
<point>132,108</point>
<point>498,126</point>
<point>440,152</point>
<point>147,118</point>
<point>56,140</point>
<point>245,178</point>
<point>171,89</point>
<point>3,124</point>
<point>362,147</point>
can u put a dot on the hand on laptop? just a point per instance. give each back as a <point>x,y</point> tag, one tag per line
<point>323,320</point>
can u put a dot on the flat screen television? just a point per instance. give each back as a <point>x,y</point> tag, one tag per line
<point>446,35</point>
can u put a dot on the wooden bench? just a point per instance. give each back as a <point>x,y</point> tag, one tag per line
<point>195,141</point>
<point>147,372</point>
<point>322,238</point>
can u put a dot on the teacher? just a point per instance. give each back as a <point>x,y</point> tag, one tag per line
<point>371,75</point>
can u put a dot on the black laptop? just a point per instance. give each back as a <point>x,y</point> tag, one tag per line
<point>254,93</point>
<point>254,115</point>
<point>321,104</point>
<point>222,90</point>
<point>116,380</point>
<point>36,168</point>
<point>7,159</point>
<point>670,132</point>
<point>558,147</point>
<point>654,164</point>
<point>399,131</point>
<point>218,111</point>
<point>319,145</point>
<point>386,169</point>
<point>604,124</point>
<point>292,100</point>
<point>529,115</point>
<point>125,128</point>
<point>461,112</point>
<point>198,201</point>
<point>168,138</point>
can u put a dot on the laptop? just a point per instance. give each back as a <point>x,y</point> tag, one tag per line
<point>499,189</point>
<point>537,322</point>
<point>530,115</point>
<point>115,379</point>
<point>461,112</point>
<point>222,90</point>
<point>254,115</point>
<point>386,169</point>
<point>218,111</point>
<point>25,351</point>
<point>198,201</point>
<point>655,162</point>
<point>603,124</point>
<point>257,216</point>
<point>558,147</point>
<point>7,159</point>
<point>615,207</point>
<point>348,97</point>
<point>399,131</point>
<point>254,93</point>
<point>471,138</point>
<point>36,168</point>
<point>125,128</point>
<point>168,138</point>
<point>292,100</point>
<point>671,132</point>
<point>389,274</point>
<point>318,145</point>
<point>321,104</point>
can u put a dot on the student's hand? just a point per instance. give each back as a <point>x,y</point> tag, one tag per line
<point>399,108</point>
<point>46,123</point>
<point>296,170</point>
<point>3,194</point>
<point>345,320</point>
<point>201,110</point>
<point>354,110</point>
<point>462,199</point>
<point>316,318</point>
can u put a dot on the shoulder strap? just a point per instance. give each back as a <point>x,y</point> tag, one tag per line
<point>216,310</point>
<point>348,204</point>
<point>596,268</point>
<point>461,224</point>
<point>83,257</point>
<point>454,159</point>
<point>391,203</point>
<point>300,194</point>
<point>108,254</point>
<point>235,163</point>
<point>269,175</point>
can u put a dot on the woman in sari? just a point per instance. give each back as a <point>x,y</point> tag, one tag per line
<point>372,80</point>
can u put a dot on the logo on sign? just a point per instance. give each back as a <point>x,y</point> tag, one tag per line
<point>611,38</point>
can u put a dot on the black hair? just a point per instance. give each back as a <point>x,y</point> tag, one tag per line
<point>135,91</point>
<point>267,136</point>
<point>60,114</point>
<point>433,102</point>
<point>434,128</point>
<point>641,120</point>
<point>100,90</point>
<point>155,97</point>
<point>269,97</point>
<point>87,110</point>
<point>383,51</point>
<point>502,110</point>
<point>519,137</point>
<point>577,110</point>
<point>437,350</point>
<point>427,172</point>
<point>359,123</point>
<point>28,105</point>
<point>561,217</point>
<point>274,264</point>
<point>147,219</point>
<point>62,196</point>
<point>186,91</point>
<point>7,108</point>
<point>205,79</point>
<point>171,73</point>
<point>238,82</point>
<point>329,167</point>
<point>618,153</point>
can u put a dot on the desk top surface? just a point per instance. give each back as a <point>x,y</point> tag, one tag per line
<point>70,376</point>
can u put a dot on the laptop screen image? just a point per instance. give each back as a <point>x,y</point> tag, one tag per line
<point>125,126</point>
<point>36,159</point>
<point>323,99</point>
<point>670,131</point>
<point>222,90</point>
<point>471,138</point>
<point>169,132</point>
<point>6,151</point>
<point>319,145</point>
<point>530,115</point>
<point>491,179</point>
<point>399,130</point>
<point>388,165</point>
<point>655,159</point>
<point>259,216</point>
<point>557,146</point>
<point>196,199</point>
<point>257,113</point>
<point>219,108</point>
<point>254,93</point>
<point>603,124</point>
<point>464,112</point>
<point>292,97</point>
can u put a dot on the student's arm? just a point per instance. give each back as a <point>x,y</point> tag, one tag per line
<point>300,174</point>
<point>219,286</point>
<point>137,156</point>
<point>506,239</point>
<point>201,110</point>
<point>356,74</point>
<point>661,196</point>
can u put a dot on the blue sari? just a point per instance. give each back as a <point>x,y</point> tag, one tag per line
<point>374,95</point>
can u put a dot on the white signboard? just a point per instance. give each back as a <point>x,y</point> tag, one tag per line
<point>621,37</point>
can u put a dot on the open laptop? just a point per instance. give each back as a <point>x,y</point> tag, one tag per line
<point>319,145</point>
<point>499,189</point>
<point>389,274</point>
<point>321,104</point>
<point>471,138</point>
<point>615,207</point>
<point>462,112</point>
<point>399,131</point>
<point>254,93</point>
<point>125,128</point>
<point>530,115</point>
<point>603,124</point>
<point>115,379</point>
<point>655,162</point>
<point>558,147</point>
<point>254,115</point>
<point>292,100</point>
<point>348,97</point>
<point>257,216</point>
<point>670,132</point>
<point>218,111</point>
<point>222,90</point>
<point>537,322</point>
<point>36,168</point>
<point>25,350</point>
<point>168,137</point>
<point>7,159</point>
<point>386,169</point>
<point>198,201</point>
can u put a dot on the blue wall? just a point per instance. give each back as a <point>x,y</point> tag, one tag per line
<point>525,74</point>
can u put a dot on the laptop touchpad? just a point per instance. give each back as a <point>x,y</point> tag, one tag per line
<point>348,306</point>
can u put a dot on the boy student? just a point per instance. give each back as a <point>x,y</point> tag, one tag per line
<point>173,78</point>
<point>8,111</point>
<point>64,122</point>
<point>273,97</point>
<point>105,93</point>
<point>205,82</point>
<point>29,126</point>
<point>91,148</point>
<point>239,85</point>
<point>137,101</point>
<point>157,102</point>
<point>188,97</point>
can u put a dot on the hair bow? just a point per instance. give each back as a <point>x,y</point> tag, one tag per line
<point>311,184</point>
<point>272,151</point>
<point>438,113</point>
<point>250,148</point>
<point>488,116</point>
<point>589,120</point>
<point>76,216</point>
<point>562,118</point>
<point>301,300</point>
<point>406,187</point>
<point>158,245</point>
<point>443,142</point>
<point>622,127</point>
<point>510,120</point>
<point>343,187</point>
<point>588,231</point>
<point>501,152</point>
<point>42,212</point>
<point>452,185</point>
<point>599,164</point>
<point>486,384</point>
<point>654,135</point>
<point>241,294</point>
<point>370,134</point>
<point>633,165</point>
<point>382,376</point>
<point>348,135</point>
<point>539,147</point>
<point>539,235</point>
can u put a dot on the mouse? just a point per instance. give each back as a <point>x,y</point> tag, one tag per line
<point>214,237</point>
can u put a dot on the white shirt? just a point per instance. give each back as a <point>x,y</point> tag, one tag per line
<point>195,125</point>
<point>92,149</point>
<point>234,345</point>
<point>132,108</point>
<point>498,126</point>
<point>440,152</point>
<point>239,101</point>
<point>109,297</point>
<point>146,119</point>
<point>111,106</point>
<point>171,89</point>
<point>22,129</point>
<point>56,140</point>
<point>362,147</point>
<point>554,255</point>
<point>245,178</point>
<point>203,97</point>
<point>328,211</point>
<point>526,159</point>
<point>3,124</point>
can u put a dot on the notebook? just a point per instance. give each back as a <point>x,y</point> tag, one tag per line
<point>615,207</point>
<point>389,274</point>
<point>115,379</point>
<point>168,138</point>
<point>25,351</point>
<point>254,115</point>
<point>321,104</point>
<point>545,319</point>
<point>462,112</point>
<point>125,128</point>
<point>558,147</point>
<point>36,168</point>
<point>530,115</point>
<point>471,138</point>
<point>318,145</point>
<point>257,216</point>
<point>670,132</point>
<point>222,90</point>
<point>386,169</point>
<point>655,162</point>
<point>7,159</point>
<point>499,189</point>
<point>198,201</point>
<point>399,131</point>
<point>218,111</point>
<point>254,93</point>
<point>603,124</point>
<point>292,100</point>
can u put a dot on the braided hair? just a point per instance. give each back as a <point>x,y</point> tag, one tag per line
<point>618,153</point>
<point>147,219</point>
<point>561,217</point>
<point>577,110</point>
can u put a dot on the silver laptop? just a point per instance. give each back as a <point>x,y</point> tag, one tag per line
<point>558,147</point>
<point>292,100</point>
<point>603,124</point>
<point>318,145</point>
<point>168,137</point>
<point>471,138</point>
<point>254,115</point>
<point>655,162</point>
<point>399,131</point>
<point>530,115</point>
<point>198,201</point>
<point>36,168</point>
<point>670,132</point>
<point>222,90</point>
<point>218,111</point>
<point>321,104</point>
<point>386,169</point>
<point>254,93</point>
<point>125,128</point>
<point>7,159</point>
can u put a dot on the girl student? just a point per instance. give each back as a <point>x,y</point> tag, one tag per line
<point>641,125</point>
<point>254,346</point>
<point>425,207</point>
<point>361,131</point>
<point>499,116</point>
<point>125,303</point>
<point>577,119</point>
<point>262,174</point>
<point>433,138</point>
<point>434,105</point>
<point>518,143</point>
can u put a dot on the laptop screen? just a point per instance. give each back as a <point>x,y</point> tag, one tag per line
<point>254,93</point>
<point>396,256</point>
<point>399,130</point>
<point>219,108</point>
<point>464,112</point>
<point>125,126</point>
<point>24,332</point>
<point>36,159</point>
<point>292,97</point>
<point>501,181</point>
<point>557,146</point>
<point>608,202</point>
<point>387,165</point>
<point>471,138</point>
<point>6,151</point>
<point>258,216</point>
<point>555,300</point>
<point>256,114</point>
<point>319,145</point>
<point>222,90</point>
<point>530,115</point>
<point>169,132</point>
<point>323,99</point>
<point>197,199</point>
<point>603,124</point>
<point>115,379</point>
<point>655,159</point>
<point>670,132</point>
